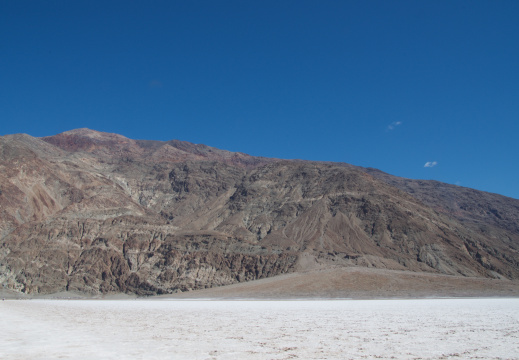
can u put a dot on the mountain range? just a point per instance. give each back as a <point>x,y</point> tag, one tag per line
<point>98,213</point>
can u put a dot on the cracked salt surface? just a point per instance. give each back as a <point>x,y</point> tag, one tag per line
<point>335,329</point>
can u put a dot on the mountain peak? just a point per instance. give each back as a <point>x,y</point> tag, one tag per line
<point>88,140</point>
<point>143,217</point>
<point>110,146</point>
<point>93,134</point>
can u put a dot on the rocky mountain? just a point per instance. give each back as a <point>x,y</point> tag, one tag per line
<point>93,212</point>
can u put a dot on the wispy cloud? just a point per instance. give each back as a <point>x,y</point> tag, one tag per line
<point>430,164</point>
<point>393,125</point>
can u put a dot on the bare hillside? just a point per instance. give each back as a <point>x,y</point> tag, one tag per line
<point>96,213</point>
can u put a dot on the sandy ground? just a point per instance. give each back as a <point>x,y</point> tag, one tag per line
<point>202,329</point>
<point>359,283</point>
<point>329,283</point>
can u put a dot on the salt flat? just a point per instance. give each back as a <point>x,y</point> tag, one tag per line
<point>203,329</point>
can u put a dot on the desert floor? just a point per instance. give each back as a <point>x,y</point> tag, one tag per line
<point>247,329</point>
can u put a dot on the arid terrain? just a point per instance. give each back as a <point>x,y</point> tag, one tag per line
<point>431,329</point>
<point>98,214</point>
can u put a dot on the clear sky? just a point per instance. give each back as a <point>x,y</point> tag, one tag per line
<point>420,89</point>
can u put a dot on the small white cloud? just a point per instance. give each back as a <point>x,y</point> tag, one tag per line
<point>394,125</point>
<point>430,164</point>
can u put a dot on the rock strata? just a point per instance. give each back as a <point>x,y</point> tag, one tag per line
<point>99,213</point>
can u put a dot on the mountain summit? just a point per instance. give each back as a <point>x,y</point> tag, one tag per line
<point>93,212</point>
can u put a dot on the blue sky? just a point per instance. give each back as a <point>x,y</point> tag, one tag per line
<point>394,85</point>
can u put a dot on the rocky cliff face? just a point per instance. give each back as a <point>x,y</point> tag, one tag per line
<point>100,213</point>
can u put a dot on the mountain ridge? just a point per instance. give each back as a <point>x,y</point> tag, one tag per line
<point>101,213</point>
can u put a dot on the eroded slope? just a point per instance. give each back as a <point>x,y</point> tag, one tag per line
<point>96,212</point>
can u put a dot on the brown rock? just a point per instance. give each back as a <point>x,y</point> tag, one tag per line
<point>99,213</point>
